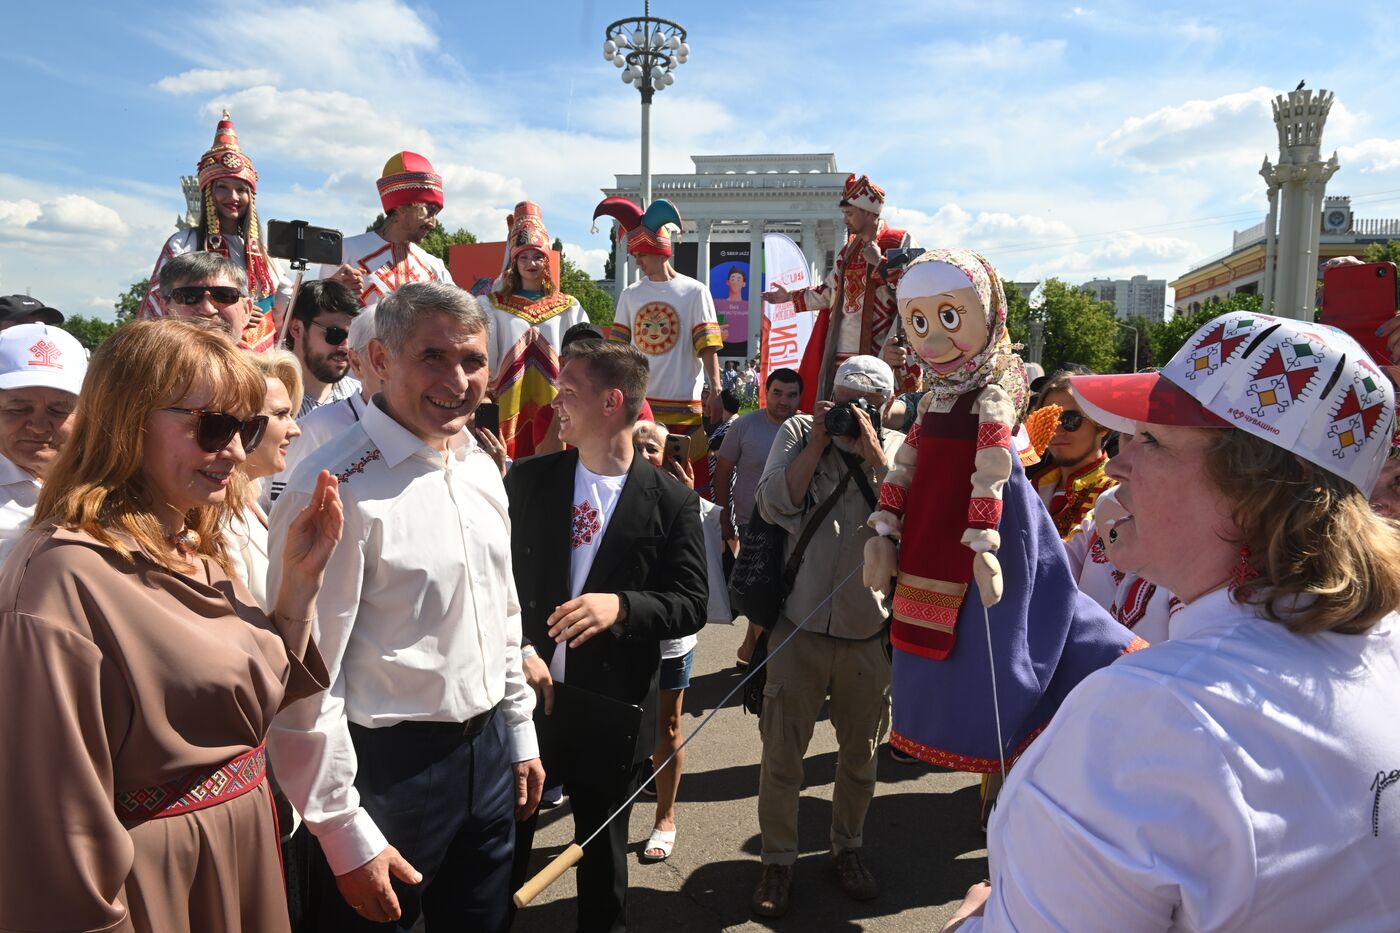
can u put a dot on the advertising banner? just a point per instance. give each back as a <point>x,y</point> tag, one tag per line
<point>785,332</point>
<point>729,286</point>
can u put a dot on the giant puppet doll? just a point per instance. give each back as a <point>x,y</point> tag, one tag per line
<point>228,225</point>
<point>977,551</point>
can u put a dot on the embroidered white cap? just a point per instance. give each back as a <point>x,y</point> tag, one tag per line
<point>866,374</point>
<point>40,355</point>
<point>1301,386</point>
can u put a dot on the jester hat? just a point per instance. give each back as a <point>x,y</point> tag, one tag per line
<point>409,178</point>
<point>645,231</point>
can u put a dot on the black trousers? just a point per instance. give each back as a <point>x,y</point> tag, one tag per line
<point>447,803</point>
<point>602,872</point>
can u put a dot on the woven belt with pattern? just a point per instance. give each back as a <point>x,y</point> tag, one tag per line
<point>197,791</point>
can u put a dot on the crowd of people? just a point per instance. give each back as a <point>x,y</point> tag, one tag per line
<point>295,637</point>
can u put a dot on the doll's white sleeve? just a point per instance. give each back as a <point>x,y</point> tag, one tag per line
<point>992,468</point>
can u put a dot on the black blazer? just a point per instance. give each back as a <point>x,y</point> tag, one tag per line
<point>653,552</point>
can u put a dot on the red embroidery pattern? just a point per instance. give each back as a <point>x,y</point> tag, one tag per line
<point>195,792</point>
<point>893,497</point>
<point>911,440</point>
<point>586,523</point>
<point>956,762</point>
<point>983,512</point>
<point>993,434</point>
<point>1135,602</point>
<point>359,465</point>
<point>46,354</point>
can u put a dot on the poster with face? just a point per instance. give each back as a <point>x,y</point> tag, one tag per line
<point>729,286</point>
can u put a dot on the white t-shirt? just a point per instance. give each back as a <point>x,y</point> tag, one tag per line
<point>374,256</point>
<point>670,322</point>
<point>1234,777</point>
<point>595,498</point>
<point>19,492</point>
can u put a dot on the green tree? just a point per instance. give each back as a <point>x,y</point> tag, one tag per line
<point>597,303</point>
<point>130,301</point>
<point>90,331</point>
<point>1077,329</point>
<point>437,241</point>
<point>1388,251</point>
<point>610,264</point>
<point>1168,337</point>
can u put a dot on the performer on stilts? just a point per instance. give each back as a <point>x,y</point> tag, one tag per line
<point>974,537</point>
<point>861,289</point>
<point>529,315</point>
<point>228,225</point>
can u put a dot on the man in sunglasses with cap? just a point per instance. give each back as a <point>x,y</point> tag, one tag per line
<point>318,336</point>
<point>209,287</point>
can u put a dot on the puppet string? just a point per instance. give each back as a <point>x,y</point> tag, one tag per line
<point>996,706</point>
<point>727,697</point>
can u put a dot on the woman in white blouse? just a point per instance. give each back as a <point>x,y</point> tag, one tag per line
<point>1237,776</point>
<point>248,527</point>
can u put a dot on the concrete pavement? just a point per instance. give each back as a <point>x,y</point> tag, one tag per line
<point>922,841</point>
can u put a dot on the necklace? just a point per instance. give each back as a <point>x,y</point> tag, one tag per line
<point>186,541</point>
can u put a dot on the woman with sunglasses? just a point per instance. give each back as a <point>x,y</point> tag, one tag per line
<point>141,677</point>
<point>1075,475</point>
<point>228,225</point>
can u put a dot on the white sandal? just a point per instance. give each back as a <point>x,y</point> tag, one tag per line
<point>661,840</point>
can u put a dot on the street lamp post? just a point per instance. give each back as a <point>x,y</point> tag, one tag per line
<point>1135,342</point>
<point>648,50</point>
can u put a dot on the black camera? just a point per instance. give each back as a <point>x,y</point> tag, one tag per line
<point>841,420</point>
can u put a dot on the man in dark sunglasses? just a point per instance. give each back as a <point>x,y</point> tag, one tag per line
<point>206,286</point>
<point>317,335</point>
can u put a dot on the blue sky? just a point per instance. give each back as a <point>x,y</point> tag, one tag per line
<point>1104,138</point>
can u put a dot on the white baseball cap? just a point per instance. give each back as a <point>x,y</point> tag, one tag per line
<point>40,355</point>
<point>1305,387</point>
<point>866,374</point>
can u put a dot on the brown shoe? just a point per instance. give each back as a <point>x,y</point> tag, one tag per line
<point>774,891</point>
<point>855,879</point>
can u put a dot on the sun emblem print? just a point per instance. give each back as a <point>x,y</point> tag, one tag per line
<point>656,328</point>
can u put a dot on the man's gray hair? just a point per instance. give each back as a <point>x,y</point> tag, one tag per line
<point>197,267</point>
<point>362,330</point>
<point>395,316</point>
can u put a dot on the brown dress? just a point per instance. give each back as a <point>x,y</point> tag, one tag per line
<point>119,676</point>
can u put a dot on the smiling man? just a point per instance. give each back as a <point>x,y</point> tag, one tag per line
<point>413,769</point>
<point>319,336</point>
<point>41,371</point>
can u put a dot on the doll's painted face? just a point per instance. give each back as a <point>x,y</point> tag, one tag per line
<point>946,330</point>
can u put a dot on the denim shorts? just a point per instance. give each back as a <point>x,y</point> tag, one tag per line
<point>675,672</point>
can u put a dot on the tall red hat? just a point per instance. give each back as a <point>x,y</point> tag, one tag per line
<point>525,230</point>
<point>409,178</point>
<point>863,193</point>
<point>225,159</point>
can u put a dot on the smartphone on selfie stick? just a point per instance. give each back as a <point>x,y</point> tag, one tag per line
<point>300,243</point>
<point>1358,299</point>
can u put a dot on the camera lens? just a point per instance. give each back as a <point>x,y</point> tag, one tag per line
<point>840,422</point>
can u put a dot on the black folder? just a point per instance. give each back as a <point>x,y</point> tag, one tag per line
<point>589,737</point>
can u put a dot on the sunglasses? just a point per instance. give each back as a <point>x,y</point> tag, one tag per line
<point>1071,421</point>
<point>221,295</point>
<point>216,428</point>
<point>335,334</point>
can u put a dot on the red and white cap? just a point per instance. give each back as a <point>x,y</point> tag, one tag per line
<point>1305,387</point>
<point>40,355</point>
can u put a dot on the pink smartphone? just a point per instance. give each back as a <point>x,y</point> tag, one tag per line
<point>1359,299</point>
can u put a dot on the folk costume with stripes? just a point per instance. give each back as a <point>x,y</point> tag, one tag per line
<point>526,331</point>
<point>408,178</point>
<point>266,283</point>
<point>860,295</point>
<point>673,323</point>
<point>972,532</point>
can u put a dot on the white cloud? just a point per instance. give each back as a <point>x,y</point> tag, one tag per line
<point>16,214</point>
<point>1001,52</point>
<point>589,260</point>
<point>1117,257</point>
<point>952,225</point>
<point>204,80</point>
<point>1371,155</point>
<point>68,214</point>
<point>1185,135</point>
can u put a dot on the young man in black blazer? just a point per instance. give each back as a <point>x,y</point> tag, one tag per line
<point>609,559</point>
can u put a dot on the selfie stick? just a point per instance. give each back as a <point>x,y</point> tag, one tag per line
<point>570,856</point>
<point>298,262</point>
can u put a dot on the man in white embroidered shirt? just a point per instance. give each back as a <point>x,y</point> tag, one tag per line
<point>413,768</point>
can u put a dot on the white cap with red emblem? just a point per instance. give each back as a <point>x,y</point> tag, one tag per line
<point>1304,387</point>
<point>40,355</point>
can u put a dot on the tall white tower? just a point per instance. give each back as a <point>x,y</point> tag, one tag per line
<point>1293,227</point>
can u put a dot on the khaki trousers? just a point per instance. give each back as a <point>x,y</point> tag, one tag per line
<point>856,674</point>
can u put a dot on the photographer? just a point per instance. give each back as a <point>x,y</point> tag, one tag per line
<point>826,468</point>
